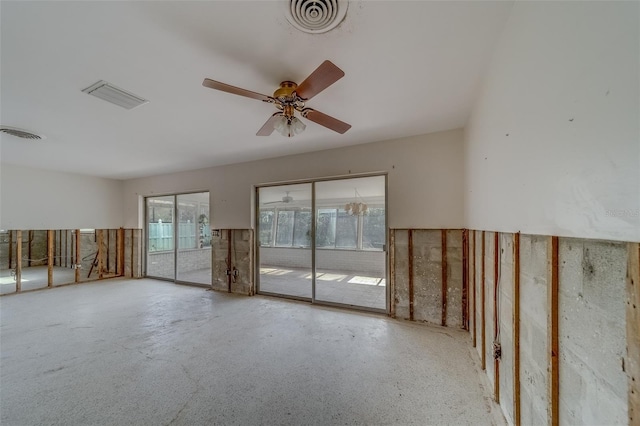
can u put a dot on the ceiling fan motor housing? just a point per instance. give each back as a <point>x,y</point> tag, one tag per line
<point>285,90</point>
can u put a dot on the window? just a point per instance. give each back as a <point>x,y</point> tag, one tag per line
<point>302,229</point>
<point>346,230</point>
<point>266,227</point>
<point>335,229</point>
<point>373,229</point>
<point>284,231</point>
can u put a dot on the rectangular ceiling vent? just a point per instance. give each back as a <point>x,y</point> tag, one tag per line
<point>110,93</point>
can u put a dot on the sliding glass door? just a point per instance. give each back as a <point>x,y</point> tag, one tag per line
<point>194,239</point>
<point>324,241</point>
<point>179,238</point>
<point>160,237</point>
<point>284,240</point>
<point>350,242</point>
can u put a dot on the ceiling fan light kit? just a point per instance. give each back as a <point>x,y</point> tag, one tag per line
<point>291,97</point>
<point>289,126</point>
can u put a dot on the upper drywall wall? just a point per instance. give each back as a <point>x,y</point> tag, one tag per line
<point>553,143</point>
<point>40,199</point>
<point>424,181</point>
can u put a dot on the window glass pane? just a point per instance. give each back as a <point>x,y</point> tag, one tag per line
<point>346,230</point>
<point>373,229</point>
<point>284,233</point>
<point>326,228</point>
<point>203,226</point>
<point>266,227</point>
<point>188,225</point>
<point>302,229</point>
<point>160,212</point>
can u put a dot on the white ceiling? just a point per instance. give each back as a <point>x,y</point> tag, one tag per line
<point>411,68</point>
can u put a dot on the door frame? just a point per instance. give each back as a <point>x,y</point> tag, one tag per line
<point>145,233</point>
<point>313,300</point>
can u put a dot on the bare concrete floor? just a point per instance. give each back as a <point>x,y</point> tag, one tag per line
<point>147,352</point>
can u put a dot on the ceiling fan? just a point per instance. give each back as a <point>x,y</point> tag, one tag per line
<point>291,97</point>
<point>286,199</point>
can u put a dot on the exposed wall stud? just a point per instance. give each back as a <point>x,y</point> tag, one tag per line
<point>229,265</point>
<point>473,289</point>
<point>392,273</point>
<point>443,238</point>
<point>552,331</point>
<point>465,279</point>
<point>411,274</point>
<point>483,357</point>
<point>120,257</point>
<point>516,329</point>
<point>108,251</point>
<point>496,314</point>
<point>51,237</point>
<point>632,362</point>
<point>77,255</point>
<point>30,240</point>
<point>100,254</point>
<point>18,261</point>
<point>132,253</point>
<point>10,248</point>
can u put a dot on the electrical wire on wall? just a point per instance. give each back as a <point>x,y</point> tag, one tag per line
<point>497,349</point>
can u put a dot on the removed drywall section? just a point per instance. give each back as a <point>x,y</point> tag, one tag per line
<point>533,322</point>
<point>232,261</point>
<point>632,363</point>
<point>420,268</point>
<point>593,384</point>
<point>505,317</point>
<point>454,279</point>
<point>133,253</point>
<point>489,322</point>
<point>402,296</point>
<point>479,298</point>
<point>71,256</point>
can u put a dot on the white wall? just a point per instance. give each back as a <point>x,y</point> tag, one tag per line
<point>39,199</point>
<point>553,144</point>
<point>425,181</point>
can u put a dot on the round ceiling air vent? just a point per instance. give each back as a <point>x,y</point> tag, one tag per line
<point>316,16</point>
<point>20,133</point>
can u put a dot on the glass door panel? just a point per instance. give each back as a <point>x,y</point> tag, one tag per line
<point>284,240</point>
<point>194,239</point>
<point>8,262</point>
<point>351,241</point>
<point>160,237</point>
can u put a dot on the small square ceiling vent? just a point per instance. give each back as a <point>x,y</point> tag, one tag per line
<point>110,93</point>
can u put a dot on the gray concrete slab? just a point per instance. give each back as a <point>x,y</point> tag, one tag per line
<point>147,352</point>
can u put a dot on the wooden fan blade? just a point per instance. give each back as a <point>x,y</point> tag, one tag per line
<point>267,128</point>
<point>324,76</point>
<point>212,84</point>
<point>326,120</point>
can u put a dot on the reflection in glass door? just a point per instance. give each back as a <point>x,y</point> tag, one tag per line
<point>194,239</point>
<point>284,240</point>
<point>350,244</point>
<point>160,236</point>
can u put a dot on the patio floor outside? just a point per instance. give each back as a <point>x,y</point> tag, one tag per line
<point>344,287</point>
